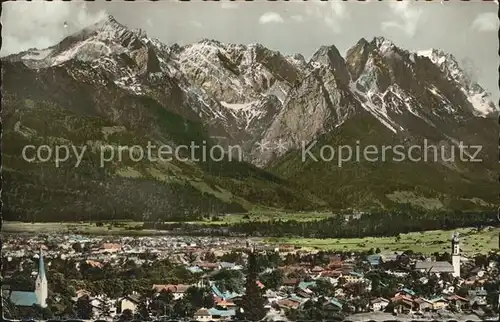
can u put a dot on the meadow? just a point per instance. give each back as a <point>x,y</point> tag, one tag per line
<point>112,228</point>
<point>472,241</point>
<point>135,227</point>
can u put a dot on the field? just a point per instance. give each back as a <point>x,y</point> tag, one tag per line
<point>118,228</point>
<point>265,215</point>
<point>471,241</point>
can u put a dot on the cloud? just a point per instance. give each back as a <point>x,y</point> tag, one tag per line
<point>331,13</point>
<point>485,22</point>
<point>196,24</point>
<point>271,17</point>
<point>229,5</point>
<point>40,24</point>
<point>408,15</point>
<point>297,18</point>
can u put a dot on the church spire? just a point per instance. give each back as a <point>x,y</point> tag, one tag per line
<point>41,284</point>
<point>41,264</point>
<point>455,244</point>
<point>455,254</point>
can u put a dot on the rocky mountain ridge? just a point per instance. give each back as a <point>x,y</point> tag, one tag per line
<point>249,95</point>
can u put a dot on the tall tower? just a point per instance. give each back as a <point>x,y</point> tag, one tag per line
<point>499,297</point>
<point>455,254</point>
<point>41,288</point>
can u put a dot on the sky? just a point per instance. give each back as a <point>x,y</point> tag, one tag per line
<point>468,30</point>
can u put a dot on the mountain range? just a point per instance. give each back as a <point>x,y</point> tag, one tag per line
<point>109,84</point>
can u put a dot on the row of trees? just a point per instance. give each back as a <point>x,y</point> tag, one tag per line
<point>375,224</point>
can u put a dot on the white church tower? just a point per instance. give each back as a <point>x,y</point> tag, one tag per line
<point>455,254</point>
<point>41,285</point>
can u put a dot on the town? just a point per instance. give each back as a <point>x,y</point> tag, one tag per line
<point>47,277</point>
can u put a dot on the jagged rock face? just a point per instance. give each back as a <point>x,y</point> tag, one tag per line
<point>356,58</point>
<point>330,56</point>
<point>480,100</point>
<point>146,60</point>
<point>282,68</point>
<point>229,87</point>
<point>246,94</point>
<point>316,106</point>
<point>398,86</point>
<point>237,74</point>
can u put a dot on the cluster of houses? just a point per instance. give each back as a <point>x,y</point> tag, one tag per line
<point>293,293</point>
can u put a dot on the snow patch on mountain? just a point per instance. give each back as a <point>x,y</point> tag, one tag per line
<point>481,102</point>
<point>446,104</point>
<point>38,54</point>
<point>402,100</point>
<point>384,45</point>
<point>109,28</point>
<point>245,90</point>
<point>248,111</point>
<point>479,98</point>
<point>131,84</point>
<point>87,50</point>
<point>379,112</point>
<point>278,90</point>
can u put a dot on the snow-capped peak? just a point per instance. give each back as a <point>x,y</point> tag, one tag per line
<point>211,42</point>
<point>383,44</point>
<point>382,41</point>
<point>479,98</point>
<point>110,29</point>
<point>104,38</point>
<point>439,57</point>
<point>109,19</point>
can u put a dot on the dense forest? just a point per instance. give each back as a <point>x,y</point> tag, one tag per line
<point>376,224</point>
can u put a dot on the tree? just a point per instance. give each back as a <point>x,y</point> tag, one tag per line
<point>182,308</point>
<point>481,260</point>
<point>162,303</point>
<point>252,303</point>
<point>210,257</point>
<point>229,280</point>
<point>199,297</point>
<point>114,288</point>
<point>77,247</point>
<point>356,289</point>
<point>346,308</point>
<point>105,309</point>
<point>462,291</point>
<point>69,311</point>
<point>452,307</point>
<point>127,315</point>
<point>272,280</point>
<point>37,311</point>
<point>323,288</point>
<point>232,257</point>
<point>191,257</point>
<point>47,313</point>
<point>9,309</point>
<point>389,308</point>
<point>143,310</point>
<point>84,308</point>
